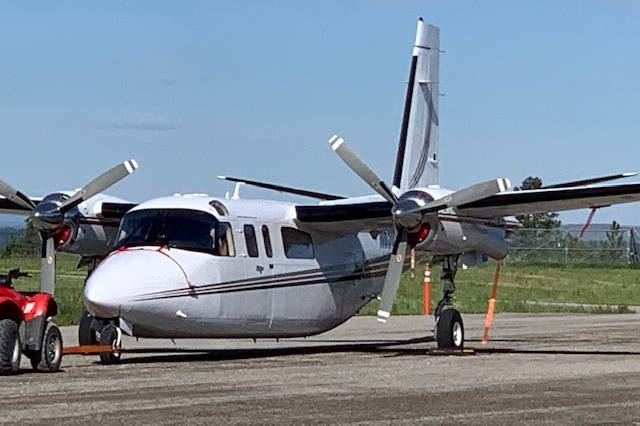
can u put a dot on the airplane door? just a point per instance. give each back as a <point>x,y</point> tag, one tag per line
<point>257,303</point>
<point>267,257</point>
<point>253,264</point>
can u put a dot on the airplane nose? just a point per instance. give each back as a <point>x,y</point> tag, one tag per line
<point>123,276</point>
<point>98,300</point>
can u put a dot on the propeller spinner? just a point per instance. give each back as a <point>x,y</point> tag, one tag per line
<point>408,214</point>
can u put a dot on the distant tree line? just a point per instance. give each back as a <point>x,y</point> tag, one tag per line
<point>543,240</point>
<point>24,242</point>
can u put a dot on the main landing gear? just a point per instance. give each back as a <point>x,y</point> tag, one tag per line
<point>449,330</point>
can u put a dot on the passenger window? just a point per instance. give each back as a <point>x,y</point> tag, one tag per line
<point>267,241</point>
<point>250,238</point>
<point>224,240</point>
<point>297,244</point>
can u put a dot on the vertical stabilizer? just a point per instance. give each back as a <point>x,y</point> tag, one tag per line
<point>417,161</point>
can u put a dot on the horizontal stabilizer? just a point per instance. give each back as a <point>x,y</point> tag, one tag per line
<point>285,189</point>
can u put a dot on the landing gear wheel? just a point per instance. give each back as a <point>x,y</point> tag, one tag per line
<point>450,330</point>
<point>86,335</point>
<point>49,357</point>
<point>111,336</point>
<point>10,347</point>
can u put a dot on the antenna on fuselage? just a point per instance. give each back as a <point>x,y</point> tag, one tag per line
<point>236,191</point>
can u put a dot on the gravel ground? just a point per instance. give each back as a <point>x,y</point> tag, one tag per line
<point>537,369</point>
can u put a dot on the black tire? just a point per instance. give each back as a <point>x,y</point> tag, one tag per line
<point>110,336</point>
<point>10,347</point>
<point>450,330</point>
<point>49,357</point>
<point>86,335</point>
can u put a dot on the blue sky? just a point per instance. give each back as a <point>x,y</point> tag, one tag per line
<point>194,89</point>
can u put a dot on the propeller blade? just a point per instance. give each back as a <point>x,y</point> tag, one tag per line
<point>361,168</point>
<point>17,197</point>
<point>48,265</point>
<point>99,184</point>
<point>466,195</point>
<point>392,279</point>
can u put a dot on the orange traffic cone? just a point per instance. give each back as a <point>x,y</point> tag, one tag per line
<point>426,290</point>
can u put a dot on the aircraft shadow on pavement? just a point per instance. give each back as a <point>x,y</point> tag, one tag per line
<point>332,346</point>
<point>392,348</point>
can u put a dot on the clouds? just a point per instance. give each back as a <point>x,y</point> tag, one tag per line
<point>143,122</point>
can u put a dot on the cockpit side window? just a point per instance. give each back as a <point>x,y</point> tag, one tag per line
<point>250,239</point>
<point>297,244</point>
<point>224,240</point>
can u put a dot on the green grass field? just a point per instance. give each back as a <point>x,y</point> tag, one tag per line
<point>615,287</point>
<point>609,286</point>
<point>69,282</point>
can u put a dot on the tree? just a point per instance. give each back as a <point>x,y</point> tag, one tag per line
<point>614,245</point>
<point>536,220</point>
<point>28,243</point>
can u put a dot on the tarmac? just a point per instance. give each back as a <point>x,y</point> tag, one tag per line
<point>536,369</point>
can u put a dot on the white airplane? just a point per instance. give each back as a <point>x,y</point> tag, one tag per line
<point>198,266</point>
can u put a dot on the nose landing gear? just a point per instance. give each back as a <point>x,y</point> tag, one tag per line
<point>94,331</point>
<point>111,335</point>
<point>449,330</point>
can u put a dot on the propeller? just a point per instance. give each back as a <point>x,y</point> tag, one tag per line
<point>48,217</point>
<point>408,214</point>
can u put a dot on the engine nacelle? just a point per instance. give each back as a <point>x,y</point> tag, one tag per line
<point>447,234</point>
<point>450,235</point>
<point>84,232</point>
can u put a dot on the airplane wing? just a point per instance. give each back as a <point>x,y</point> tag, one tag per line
<point>110,210</point>
<point>590,181</point>
<point>284,189</point>
<point>357,216</point>
<point>9,207</point>
<point>115,210</point>
<point>551,200</point>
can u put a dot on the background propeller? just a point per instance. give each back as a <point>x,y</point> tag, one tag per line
<point>408,214</point>
<point>48,216</point>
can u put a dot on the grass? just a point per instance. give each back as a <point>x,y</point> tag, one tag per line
<point>615,287</point>
<point>69,283</point>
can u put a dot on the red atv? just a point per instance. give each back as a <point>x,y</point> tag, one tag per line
<point>25,327</point>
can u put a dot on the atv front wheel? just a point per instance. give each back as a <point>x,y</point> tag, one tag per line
<point>50,355</point>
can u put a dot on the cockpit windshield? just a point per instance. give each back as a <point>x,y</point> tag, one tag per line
<point>176,228</point>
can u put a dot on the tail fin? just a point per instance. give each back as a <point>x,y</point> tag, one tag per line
<point>417,160</point>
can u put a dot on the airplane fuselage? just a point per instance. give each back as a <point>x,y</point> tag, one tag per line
<point>196,266</point>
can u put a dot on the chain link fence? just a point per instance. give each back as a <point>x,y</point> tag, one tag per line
<point>560,246</point>
<point>566,247</point>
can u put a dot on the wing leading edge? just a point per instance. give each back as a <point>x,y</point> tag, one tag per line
<point>551,200</point>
